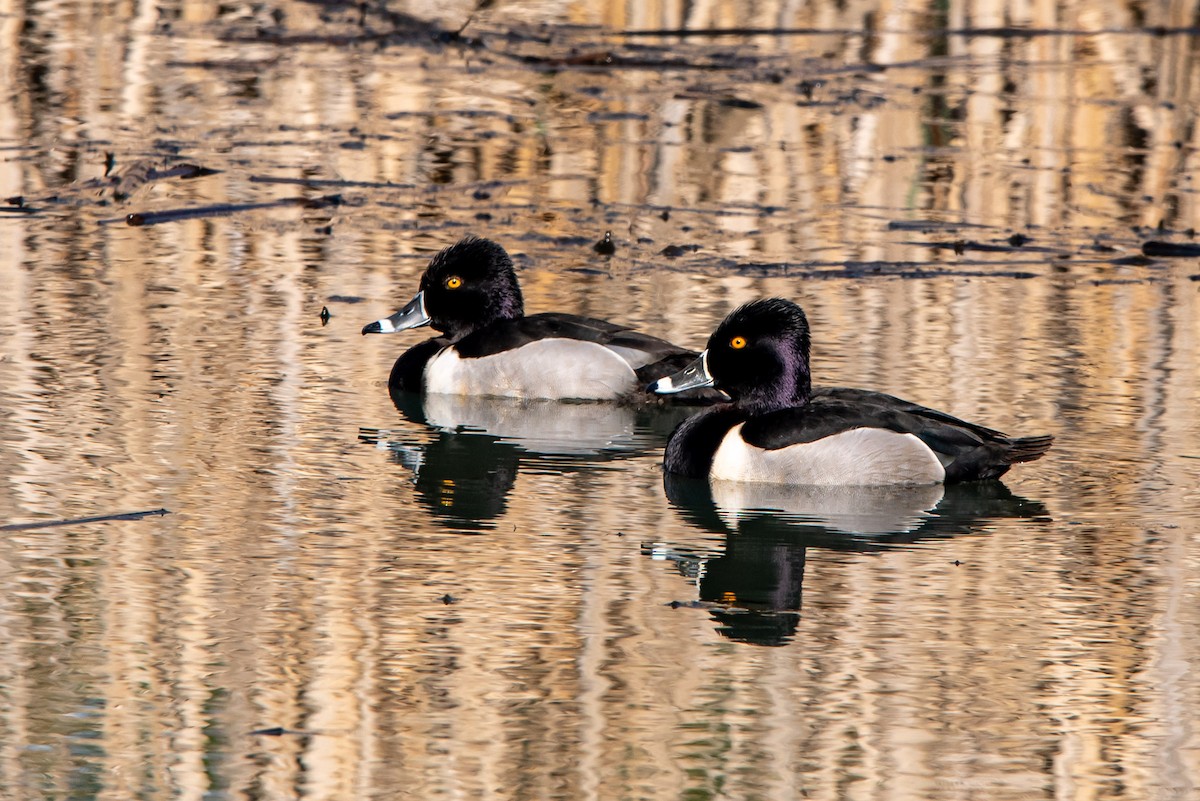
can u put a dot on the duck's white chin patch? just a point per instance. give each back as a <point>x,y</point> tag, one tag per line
<point>868,457</point>
<point>556,369</point>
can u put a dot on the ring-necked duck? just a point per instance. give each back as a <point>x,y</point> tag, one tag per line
<point>778,429</point>
<point>469,292</point>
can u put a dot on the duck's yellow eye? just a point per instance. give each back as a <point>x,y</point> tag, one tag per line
<point>453,282</point>
<point>737,343</point>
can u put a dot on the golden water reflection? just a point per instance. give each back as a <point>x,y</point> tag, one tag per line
<point>350,601</point>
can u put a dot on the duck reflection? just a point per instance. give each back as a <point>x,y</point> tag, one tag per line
<point>754,586</point>
<point>465,472</point>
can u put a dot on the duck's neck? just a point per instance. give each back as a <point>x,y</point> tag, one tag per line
<point>508,304</point>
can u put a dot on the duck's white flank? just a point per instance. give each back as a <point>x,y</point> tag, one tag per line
<point>548,368</point>
<point>871,457</point>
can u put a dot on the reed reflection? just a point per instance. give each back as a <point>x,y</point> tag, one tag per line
<point>464,474</point>
<point>755,583</point>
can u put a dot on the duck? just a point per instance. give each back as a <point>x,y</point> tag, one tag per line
<point>488,346</point>
<point>779,429</point>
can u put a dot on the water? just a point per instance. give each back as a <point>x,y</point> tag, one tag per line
<point>350,600</point>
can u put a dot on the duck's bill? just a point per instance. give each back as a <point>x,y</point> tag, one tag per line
<point>694,376</point>
<point>411,316</point>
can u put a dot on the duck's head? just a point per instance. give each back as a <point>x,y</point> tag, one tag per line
<point>758,356</point>
<point>465,287</point>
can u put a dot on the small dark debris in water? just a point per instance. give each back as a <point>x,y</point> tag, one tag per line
<point>345,299</point>
<point>961,246</point>
<point>1194,277</point>
<point>859,269</point>
<point>675,251</point>
<point>956,563</point>
<point>16,200</point>
<point>568,241</point>
<point>323,202</point>
<point>605,247</point>
<point>807,88</point>
<point>585,271</point>
<point>483,216</point>
<point>1136,261</point>
<point>356,145</point>
<point>325,315</point>
<point>602,58</point>
<point>549,216</point>
<point>1170,249</point>
<point>279,731</point>
<point>1017,240</point>
<point>324,230</point>
<point>313,182</point>
<point>620,533</point>
<point>617,116</point>
<point>481,194</point>
<point>185,172</point>
<point>866,100</point>
<point>1190,233</point>
<point>666,215</point>
<point>448,599</point>
<point>889,159</point>
<point>675,604</point>
<point>737,102</point>
<point>109,162</point>
<point>223,210</point>
<point>1100,247</point>
<point>925,226</point>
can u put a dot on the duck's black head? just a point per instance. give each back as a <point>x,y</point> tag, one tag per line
<point>759,355</point>
<point>469,285</point>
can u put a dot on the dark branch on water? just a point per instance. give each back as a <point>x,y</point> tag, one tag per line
<point>81,520</point>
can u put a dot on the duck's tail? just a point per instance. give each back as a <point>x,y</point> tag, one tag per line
<point>1028,449</point>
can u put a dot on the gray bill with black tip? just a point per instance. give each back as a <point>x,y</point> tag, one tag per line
<point>411,316</point>
<point>694,376</point>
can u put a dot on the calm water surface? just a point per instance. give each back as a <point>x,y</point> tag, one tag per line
<point>452,599</point>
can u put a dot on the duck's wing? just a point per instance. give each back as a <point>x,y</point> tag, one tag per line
<point>871,402</point>
<point>634,347</point>
<point>967,451</point>
<point>649,357</point>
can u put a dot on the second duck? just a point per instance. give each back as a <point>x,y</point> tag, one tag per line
<point>779,429</point>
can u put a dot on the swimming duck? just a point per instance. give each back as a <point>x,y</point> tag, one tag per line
<point>489,346</point>
<point>779,429</point>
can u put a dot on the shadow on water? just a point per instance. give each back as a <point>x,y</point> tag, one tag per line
<point>465,472</point>
<point>753,587</point>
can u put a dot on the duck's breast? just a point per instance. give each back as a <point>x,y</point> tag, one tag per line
<point>557,369</point>
<point>858,457</point>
